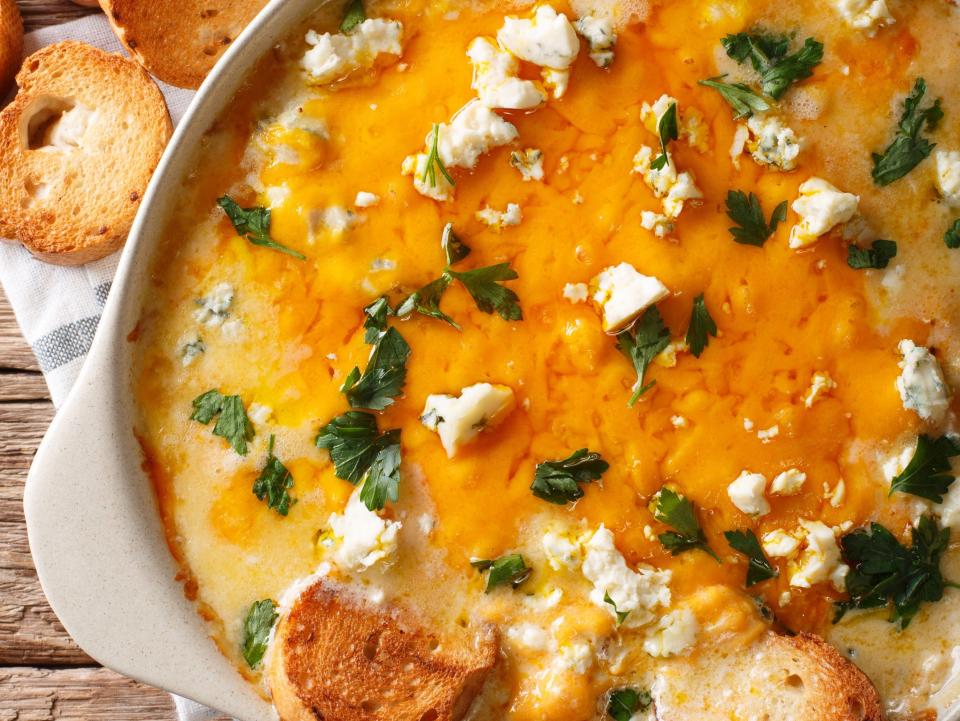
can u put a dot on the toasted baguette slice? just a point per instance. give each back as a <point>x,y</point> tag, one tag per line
<point>179,41</point>
<point>780,678</point>
<point>338,657</point>
<point>77,147</point>
<point>11,43</point>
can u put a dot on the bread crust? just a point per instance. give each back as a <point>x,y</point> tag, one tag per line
<point>11,43</point>
<point>179,41</point>
<point>78,146</point>
<point>338,657</point>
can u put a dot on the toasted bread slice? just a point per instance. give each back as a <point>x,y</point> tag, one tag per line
<point>11,43</point>
<point>338,657</point>
<point>179,40</point>
<point>77,147</point>
<point>780,678</point>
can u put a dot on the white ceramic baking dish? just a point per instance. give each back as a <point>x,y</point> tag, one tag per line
<point>95,533</point>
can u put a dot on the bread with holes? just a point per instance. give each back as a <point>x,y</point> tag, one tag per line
<point>780,678</point>
<point>179,41</point>
<point>78,145</point>
<point>11,43</point>
<point>337,656</point>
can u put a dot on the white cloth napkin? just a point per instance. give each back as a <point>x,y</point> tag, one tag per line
<point>58,308</point>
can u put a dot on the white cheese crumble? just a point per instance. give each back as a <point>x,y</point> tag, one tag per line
<point>690,124</point>
<point>820,560</point>
<point>788,483</point>
<point>678,421</point>
<point>599,34</point>
<point>500,219</point>
<point>820,384</point>
<point>622,293</point>
<point>555,81</point>
<point>948,176</point>
<point>214,307</point>
<point>259,413</point>
<point>529,163</point>
<point>495,78</point>
<point>821,207</point>
<point>673,634</point>
<point>459,419</point>
<point>673,188</point>
<point>772,143</point>
<point>576,292</point>
<point>358,537</point>
<point>667,358</point>
<point>780,544</point>
<point>746,493</point>
<point>365,199</point>
<point>547,39</point>
<point>921,384</point>
<point>866,15</point>
<point>562,550</point>
<point>334,56</point>
<point>192,349</point>
<point>768,434</point>
<point>660,224</point>
<point>335,219</point>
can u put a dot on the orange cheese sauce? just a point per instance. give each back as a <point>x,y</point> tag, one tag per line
<point>782,316</point>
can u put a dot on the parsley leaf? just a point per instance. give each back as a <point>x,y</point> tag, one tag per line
<point>908,148</point>
<point>434,161</point>
<point>744,101</point>
<point>877,256</point>
<point>641,344</point>
<point>453,248</point>
<point>254,225</point>
<point>558,481</point>
<point>386,372</point>
<point>952,236</point>
<point>884,571</point>
<point>701,327</point>
<point>353,15</point>
<point>256,630</point>
<point>489,295</point>
<point>383,479</point>
<point>768,56</point>
<point>509,570</point>
<point>668,130</point>
<point>928,475</point>
<point>376,321</point>
<point>621,615</point>
<point>625,702</point>
<point>746,212</point>
<point>677,511</point>
<point>426,301</point>
<point>273,483</point>
<point>232,424</point>
<point>759,568</point>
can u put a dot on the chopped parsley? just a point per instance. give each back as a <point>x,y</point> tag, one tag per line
<point>256,630</point>
<point>254,225</point>
<point>928,475</point>
<point>744,101</point>
<point>677,511</point>
<point>509,570</point>
<point>383,379</point>
<point>273,483</point>
<point>376,314</point>
<point>908,148</point>
<point>625,702</point>
<point>454,248</point>
<point>885,572</point>
<point>559,481</point>
<point>878,255</point>
<point>483,284</point>
<point>641,344</point>
<point>621,615</point>
<point>952,237</point>
<point>768,54</point>
<point>667,129</point>
<point>701,327</point>
<point>434,162</point>
<point>752,228</point>
<point>353,15</point>
<point>758,568</point>
<point>232,424</point>
<point>426,301</point>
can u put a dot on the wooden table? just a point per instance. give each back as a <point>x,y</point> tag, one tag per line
<point>43,674</point>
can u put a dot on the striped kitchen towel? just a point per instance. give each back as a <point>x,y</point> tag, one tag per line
<point>58,308</point>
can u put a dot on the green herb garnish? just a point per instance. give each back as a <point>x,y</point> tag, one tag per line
<point>758,568</point>
<point>273,483</point>
<point>878,255</point>
<point>434,161</point>
<point>768,56</point>
<point>254,225</point>
<point>559,481</point>
<point>232,424</point>
<point>483,284</point>
<point>454,248</point>
<point>908,147</point>
<point>641,344</point>
<point>678,512</point>
<point>928,475</point>
<point>744,101</point>
<point>385,374</point>
<point>752,228</point>
<point>256,630</point>
<point>667,129</point>
<point>625,702</point>
<point>353,15</point>
<point>375,322</point>
<point>621,615</point>
<point>426,301</point>
<point>509,570</point>
<point>701,327</point>
<point>952,237</point>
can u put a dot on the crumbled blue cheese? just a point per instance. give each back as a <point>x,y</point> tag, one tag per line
<point>555,81</point>
<point>820,560</point>
<point>820,384</point>
<point>358,538</point>
<point>948,176</point>
<point>673,634</point>
<point>746,493</point>
<point>336,220</point>
<point>599,34</point>
<point>547,39</point>
<point>562,550</point>
<point>334,56</point>
<point>788,482</point>
<point>500,219</point>
<point>866,15</point>
<point>365,199</point>
<point>259,413</point>
<point>821,207</point>
<point>770,142</point>
<point>576,292</point>
<point>622,293</point>
<point>921,384</point>
<point>459,419</point>
<point>214,308</point>
<point>495,78</point>
<point>660,224</point>
<point>690,124</point>
<point>780,544</point>
<point>673,188</point>
<point>529,163</point>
